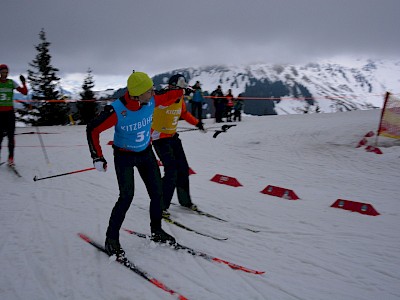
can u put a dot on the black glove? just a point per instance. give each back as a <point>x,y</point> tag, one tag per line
<point>188,91</point>
<point>100,164</point>
<point>22,78</point>
<point>200,126</point>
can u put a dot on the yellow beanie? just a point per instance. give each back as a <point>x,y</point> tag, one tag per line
<point>139,83</point>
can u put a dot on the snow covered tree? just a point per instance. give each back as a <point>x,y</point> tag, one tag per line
<point>44,84</point>
<point>87,108</point>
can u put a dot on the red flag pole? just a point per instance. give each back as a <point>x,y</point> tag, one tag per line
<point>380,122</point>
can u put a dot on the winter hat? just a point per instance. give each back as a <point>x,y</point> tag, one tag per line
<point>3,67</point>
<point>139,83</point>
<point>177,80</point>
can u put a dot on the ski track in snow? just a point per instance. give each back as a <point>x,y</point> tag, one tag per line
<point>307,249</point>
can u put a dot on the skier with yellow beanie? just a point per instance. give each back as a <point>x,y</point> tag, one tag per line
<point>131,115</point>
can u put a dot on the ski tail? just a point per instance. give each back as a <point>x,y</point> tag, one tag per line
<point>14,169</point>
<point>172,221</point>
<point>206,214</point>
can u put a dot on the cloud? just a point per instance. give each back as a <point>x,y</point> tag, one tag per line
<point>114,37</point>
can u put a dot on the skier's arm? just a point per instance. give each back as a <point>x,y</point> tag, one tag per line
<point>22,89</point>
<point>104,121</point>
<point>187,116</point>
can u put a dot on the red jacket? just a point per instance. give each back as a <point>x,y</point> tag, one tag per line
<point>167,114</point>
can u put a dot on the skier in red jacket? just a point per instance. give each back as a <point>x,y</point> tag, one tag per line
<point>131,115</point>
<point>168,145</point>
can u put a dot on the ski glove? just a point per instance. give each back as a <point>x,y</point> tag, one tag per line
<point>200,126</point>
<point>22,78</point>
<point>100,164</point>
<point>189,91</point>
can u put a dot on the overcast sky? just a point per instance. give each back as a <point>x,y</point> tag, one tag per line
<point>112,37</point>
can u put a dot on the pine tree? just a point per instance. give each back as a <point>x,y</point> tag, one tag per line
<point>44,83</point>
<point>87,108</point>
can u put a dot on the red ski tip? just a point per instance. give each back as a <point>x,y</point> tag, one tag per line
<point>237,267</point>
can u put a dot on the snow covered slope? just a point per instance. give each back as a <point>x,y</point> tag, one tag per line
<point>307,249</point>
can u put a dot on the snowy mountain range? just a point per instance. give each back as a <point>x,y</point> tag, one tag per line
<point>324,86</point>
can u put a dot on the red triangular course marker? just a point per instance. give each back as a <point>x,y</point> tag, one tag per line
<point>362,208</point>
<point>222,179</point>
<point>280,192</point>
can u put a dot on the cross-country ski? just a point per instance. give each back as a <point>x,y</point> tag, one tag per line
<point>134,268</point>
<point>204,255</point>
<point>13,169</point>
<point>206,214</point>
<point>180,225</point>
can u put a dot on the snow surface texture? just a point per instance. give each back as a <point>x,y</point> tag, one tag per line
<point>307,249</point>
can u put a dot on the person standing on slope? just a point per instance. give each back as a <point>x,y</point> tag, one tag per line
<point>238,107</point>
<point>219,104</point>
<point>131,115</point>
<point>168,145</point>
<point>7,114</point>
<point>229,106</point>
<point>197,101</point>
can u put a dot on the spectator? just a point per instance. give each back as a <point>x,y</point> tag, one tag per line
<point>219,104</point>
<point>229,106</point>
<point>197,101</point>
<point>238,107</point>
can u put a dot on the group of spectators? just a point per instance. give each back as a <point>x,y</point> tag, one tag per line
<point>225,106</point>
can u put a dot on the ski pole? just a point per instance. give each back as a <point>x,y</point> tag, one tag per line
<point>73,172</point>
<point>187,129</point>
<point>42,145</point>
<point>184,129</point>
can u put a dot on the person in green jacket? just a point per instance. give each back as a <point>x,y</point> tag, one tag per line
<point>7,114</point>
